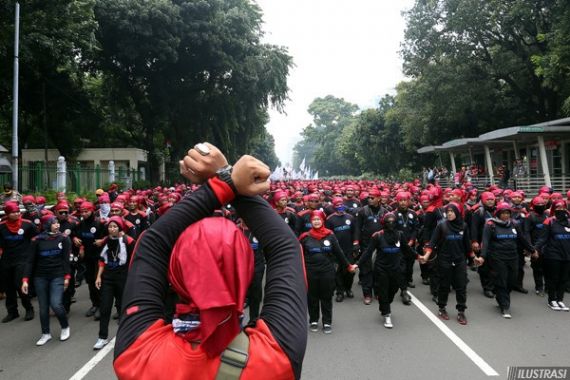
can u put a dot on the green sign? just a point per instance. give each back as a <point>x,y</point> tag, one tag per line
<point>531,129</point>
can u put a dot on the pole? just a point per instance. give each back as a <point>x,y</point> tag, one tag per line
<point>15,96</point>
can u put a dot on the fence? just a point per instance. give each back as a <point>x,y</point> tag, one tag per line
<point>529,184</point>
<point>38,177</point>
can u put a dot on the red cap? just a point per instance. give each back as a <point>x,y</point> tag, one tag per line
<point>10,207</point>
<point>28,199</point>
<point>87,206</point>
<point>118,221</point>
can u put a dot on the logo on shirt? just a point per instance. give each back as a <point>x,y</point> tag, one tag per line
<point>354,205</point>
<point>20,231</point>
<point>347,222</point>
<point>36,221</point>
<point>567,229</point>
<point>138,221</point>
<point>67,232</point>
<point>286,220</point>
<point>397,244</point>
<point>255,240</point>
<point>93,230</point>
<point>60,245</point>
<point>327,243</point>
<point>411,216</point>
<point>514,231</point>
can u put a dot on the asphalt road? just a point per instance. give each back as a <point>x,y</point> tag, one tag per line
<point>359,347</point>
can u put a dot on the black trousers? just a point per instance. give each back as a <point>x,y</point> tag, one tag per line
<point>343,279</point>
<point>70,291</point>
<point>520,274</point>
<point>487,282</point>
<point>556,274</point>
<point>320,294</point>
<point>112,287</point>
<point>505,274</point>
<point>255,294</point>
<point>91,269</point>
<point>365,275</point>
<point>408,261</point>
<point>386,284</point>
<point>538,272</point>
<point>12,274</point>
<point>455,275</point>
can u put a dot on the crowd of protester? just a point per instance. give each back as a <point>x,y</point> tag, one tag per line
<point>377,228</point>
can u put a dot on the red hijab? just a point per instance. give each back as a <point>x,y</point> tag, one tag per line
<point>319,233</point>
<point>211,268</point>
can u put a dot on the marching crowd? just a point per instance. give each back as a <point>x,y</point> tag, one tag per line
<point>376,227</point>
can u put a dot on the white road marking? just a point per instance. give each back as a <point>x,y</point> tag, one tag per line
<point>475,358</point>
<point>94,361</point>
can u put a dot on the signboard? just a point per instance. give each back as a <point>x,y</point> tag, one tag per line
<point>531,129</point>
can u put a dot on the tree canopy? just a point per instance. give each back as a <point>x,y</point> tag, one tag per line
<point>144,73</point>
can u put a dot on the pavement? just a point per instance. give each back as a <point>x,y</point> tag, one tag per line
<point>420,346</point>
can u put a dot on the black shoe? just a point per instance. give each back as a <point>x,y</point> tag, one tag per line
<point>339,298</point>
<point>349,294</point>
<point>489,294</point>
<point>411,285</point>
<point>425,281</point>
<point>91,311</point>
<point>97,314</point>
<point>406,299</point>
<point>520,289</point>
<point>10,317</point>
<point>29,314</point>
<point>73,300</point>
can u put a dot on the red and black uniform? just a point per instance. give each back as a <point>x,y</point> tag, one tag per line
<point>534,230</point>
<point>388,245</point>
<point>303,221</point>
<point>519,214</point>
<point>453,245</point>
<point>15,239</point>
<point>499,249</point>
<point>147,348</point>
<point>68,227</point>
<point>478,219</point>
<point>554,246</point>
<point>139,221</point>
<point>343,226</point>
<point>115,257</point>
<point>320,265</point>
<point>368,221</point>
<point>352,205</point>
<point>289,217</point>
<point>89,230</point>
<point>408,222</point>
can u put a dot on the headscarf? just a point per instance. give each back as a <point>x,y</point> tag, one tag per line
<point>13,225</point>
<point>211,268</point>
<point>322,232</point>
<point>456,224</point>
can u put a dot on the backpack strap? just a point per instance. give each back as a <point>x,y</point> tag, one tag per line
<point>234,358</point>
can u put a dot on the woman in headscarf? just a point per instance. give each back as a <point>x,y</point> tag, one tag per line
<point>453,245</point>
<point>388,244</point>
<point>499,247</point>
<point>48,265</point>
<point>554,246</point>
<point>209,263</point>
<point>112,274</point>
<point>321,247</point>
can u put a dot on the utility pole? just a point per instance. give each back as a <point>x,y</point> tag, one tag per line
<point>15,95</point>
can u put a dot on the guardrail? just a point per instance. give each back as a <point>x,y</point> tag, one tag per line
<point>529,184</point>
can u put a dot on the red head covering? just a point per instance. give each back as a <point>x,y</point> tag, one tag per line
<point>279,195</point>
<point>403,195</point>
<point>319,233</point>
<point>87,206</point>
<point>118,221</point>
<point>337,201</point>
<point>28,199</point>
<point>117,205</point>
<point>40,200</point>
<point>557,203</point>
<point>216,247</point>
<point>10,207</point>
<point>104,198</point>
<point>61,206</point>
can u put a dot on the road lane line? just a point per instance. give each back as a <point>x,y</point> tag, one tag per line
<point>475,358</point>
<point>94,361</point>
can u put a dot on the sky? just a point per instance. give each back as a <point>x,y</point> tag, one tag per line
<point>345,48</point>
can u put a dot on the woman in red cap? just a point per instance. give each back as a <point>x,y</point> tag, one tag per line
<point>209,263</point>
<point>48,265</point>
<point>321,247</point>
<point>112,274</point>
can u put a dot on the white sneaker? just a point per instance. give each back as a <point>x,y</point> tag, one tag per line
<point>100,343</point>
<point>327,329</point>
<point>314,326</point>
<point>43,340</point>
<point>388,321</point>
<point>554,305</point>
<point>562,306</point>
<point>65,334</point>
<point>506,314</point>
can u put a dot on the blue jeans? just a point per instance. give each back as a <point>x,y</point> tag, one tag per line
<point>50,293</point>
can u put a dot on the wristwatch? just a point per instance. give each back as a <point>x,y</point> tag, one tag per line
<point>225,174</point>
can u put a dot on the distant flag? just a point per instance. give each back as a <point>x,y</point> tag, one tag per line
<point>302,166</point>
